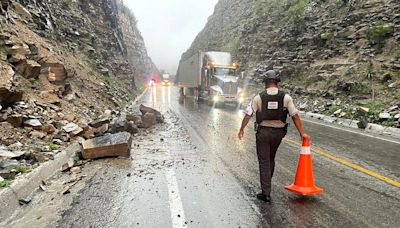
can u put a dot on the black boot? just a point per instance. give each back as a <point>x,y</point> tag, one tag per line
<point>265,198</point>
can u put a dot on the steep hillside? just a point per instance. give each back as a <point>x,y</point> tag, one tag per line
<point>340,53</point>
<point>63,65</point>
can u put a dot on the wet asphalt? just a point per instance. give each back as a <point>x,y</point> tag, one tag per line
<point>192,171</point>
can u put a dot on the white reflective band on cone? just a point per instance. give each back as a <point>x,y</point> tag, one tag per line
<point>305,150</point>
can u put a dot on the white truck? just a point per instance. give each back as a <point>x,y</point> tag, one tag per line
<point>166,80</point>
<point>210,76</point>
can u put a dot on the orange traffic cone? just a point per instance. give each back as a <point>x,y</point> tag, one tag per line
<point>304,180</point>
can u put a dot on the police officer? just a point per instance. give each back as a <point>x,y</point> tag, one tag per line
<point>271,107</point>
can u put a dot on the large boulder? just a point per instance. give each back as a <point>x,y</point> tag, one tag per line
<point>29,69</point>
<point>123,125</point>
<point>144,110</point>
<point>108,146</point>
<point>148,120</point>
<point>54,71</point>
<point>134,118</point>
<point>8,94</point>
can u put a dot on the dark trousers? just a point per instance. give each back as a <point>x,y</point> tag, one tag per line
<point>268,141</point>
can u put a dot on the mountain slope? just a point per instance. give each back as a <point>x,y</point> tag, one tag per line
<point>339,53</point>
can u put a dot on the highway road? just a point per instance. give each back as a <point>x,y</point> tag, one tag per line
<point>192,171</point>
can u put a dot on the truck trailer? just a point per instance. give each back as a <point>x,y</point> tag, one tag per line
<point>210,76</point>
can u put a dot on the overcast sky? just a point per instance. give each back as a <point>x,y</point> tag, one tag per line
<point>169,27</point>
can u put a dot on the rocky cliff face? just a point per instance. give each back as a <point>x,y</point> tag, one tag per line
<point>63,65</point>
<point>100,37</point>
<point>341,53</point>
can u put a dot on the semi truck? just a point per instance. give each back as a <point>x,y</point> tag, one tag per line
<point>210,76</point>
<point>166,80</point>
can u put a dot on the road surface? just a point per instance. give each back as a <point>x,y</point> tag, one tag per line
<point>192,171</point>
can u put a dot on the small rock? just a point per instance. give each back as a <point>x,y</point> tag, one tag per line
<point>15,120</point>
<point>1,179</point>
<point>72,128</point>
<point>100,122</point>
<point>392,85</point>
<point>65,190</point>
<point>42,187</point>
<point>70,117</point>
<point>49,128</point>
<point>107,113</point>
<point>393,108</point>
<point>337,112</point>
<point>8,163</point>
<point>40,157</point>
<point>101,130</point>
<point>6,154</point>
<point>33,123</point>
<point>75,170</point>
<point>25,201</point>
<point>67,166</point>
<point>46,149</point>
<point>88,133</point>
<point>37,134</point>
<point>384,116</point>
<point>70,97</point>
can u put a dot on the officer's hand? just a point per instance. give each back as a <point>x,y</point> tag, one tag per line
<point>241,133</point>
<point>305,136</point>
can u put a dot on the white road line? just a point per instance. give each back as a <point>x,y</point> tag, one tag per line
<point>175,202</point>
<point>351,131</point>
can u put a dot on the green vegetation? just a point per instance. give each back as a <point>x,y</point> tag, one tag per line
<point>378,34</point>
<point>330,39</point>
<point>54,147</point>
<point>259,7</point>
<point>108,79</point>
<point>21,168</point>
<point>297,8</point>
<point>332,109</point>
<point>66,4</point>
<point>389,123</point>
<point>5,183</point>
<point>374,108</point>
<point>359,88</point>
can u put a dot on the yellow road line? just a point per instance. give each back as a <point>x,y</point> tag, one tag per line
<point>349,164</point>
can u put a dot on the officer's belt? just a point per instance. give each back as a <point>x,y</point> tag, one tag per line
<point>262,127</point>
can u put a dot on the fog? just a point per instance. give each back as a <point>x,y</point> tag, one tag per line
<point>169,27</point>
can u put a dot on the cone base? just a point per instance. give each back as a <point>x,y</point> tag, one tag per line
<point>305,191</point>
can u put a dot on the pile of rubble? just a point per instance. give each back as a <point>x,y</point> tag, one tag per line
<point>41,131</point>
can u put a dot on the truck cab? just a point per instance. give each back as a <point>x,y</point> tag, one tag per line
<point>210,76</point>
<point>219,79</point>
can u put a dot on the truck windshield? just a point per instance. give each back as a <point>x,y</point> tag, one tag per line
<point>224,71</point>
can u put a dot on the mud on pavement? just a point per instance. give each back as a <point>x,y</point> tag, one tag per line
<point>165,172</point>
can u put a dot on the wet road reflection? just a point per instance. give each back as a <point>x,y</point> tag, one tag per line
<point>217,177</point>
<point>343,204</point>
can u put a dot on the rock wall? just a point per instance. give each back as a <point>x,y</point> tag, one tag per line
<point>67,67</point>
<point>340,53</point>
